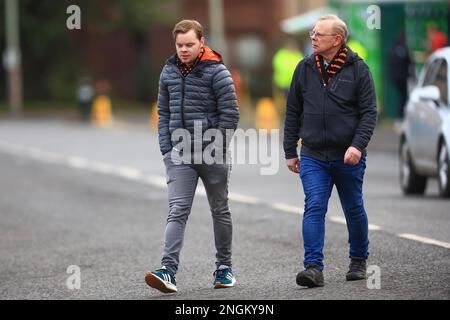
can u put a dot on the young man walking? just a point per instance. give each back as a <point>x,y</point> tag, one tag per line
<point>196,94</point>
<point>332,108</point>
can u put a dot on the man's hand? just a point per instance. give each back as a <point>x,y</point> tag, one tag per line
<point>293,164</point>
<point>352,156</point>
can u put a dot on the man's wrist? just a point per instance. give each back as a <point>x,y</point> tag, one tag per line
<point>291,156</point>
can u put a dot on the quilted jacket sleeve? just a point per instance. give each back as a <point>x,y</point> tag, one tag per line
<point>225,93</point>
<point>165,143</point>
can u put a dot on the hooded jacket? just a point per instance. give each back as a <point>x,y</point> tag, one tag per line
<point>206,95</point>
<point>329,119</point>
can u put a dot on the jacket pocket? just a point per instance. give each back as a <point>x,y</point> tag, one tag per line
<point>340,129</point>
<point>206,124</point>
<point>312,130</point>
<point>212,121</point>
<point>344,89</point>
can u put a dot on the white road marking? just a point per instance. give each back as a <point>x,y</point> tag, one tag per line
<point>243,198</point>
<point>128,173</point>
<point>156,181</point>
<point>287,208</point>
<point>341,220</point>
<point>337,219</point>
<point>160,182</point>
<point>374,227</point>
<point>201,191</point>
<point>424,240</point>
<point>77,162</point>
<point>101,167</point>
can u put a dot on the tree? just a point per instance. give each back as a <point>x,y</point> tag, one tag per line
<point>52,62</point>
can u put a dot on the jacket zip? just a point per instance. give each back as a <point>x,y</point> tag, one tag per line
<point>325,95</point>
<point>183,85</point>
<point>182,96</point>
<point>183,89</point>
<point>323,106</point>
<point>325,87</point>
<point>324,122</point>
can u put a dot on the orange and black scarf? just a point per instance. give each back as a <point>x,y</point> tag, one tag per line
<point>334,66</point>
<point>184,68</point>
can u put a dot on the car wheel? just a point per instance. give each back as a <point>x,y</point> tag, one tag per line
<point>410,181</point>
<point>444,173</point>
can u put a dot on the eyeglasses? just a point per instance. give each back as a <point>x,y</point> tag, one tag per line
<point>313,33</point>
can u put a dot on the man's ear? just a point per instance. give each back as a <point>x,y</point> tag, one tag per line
<point>202,40</point>
<point>340,42</point>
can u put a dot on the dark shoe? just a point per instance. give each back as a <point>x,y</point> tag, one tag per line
<point>311,277</point>
<point>357,269</point>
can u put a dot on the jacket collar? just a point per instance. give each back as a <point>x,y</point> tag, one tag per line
<point>209,57</point>
<point>352,57</point>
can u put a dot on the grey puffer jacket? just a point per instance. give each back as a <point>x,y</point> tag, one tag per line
<point>205,95</point>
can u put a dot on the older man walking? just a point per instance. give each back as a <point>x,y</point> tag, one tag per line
<point>332,107</point>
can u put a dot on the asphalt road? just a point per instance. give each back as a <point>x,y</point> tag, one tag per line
<point>94,198</point>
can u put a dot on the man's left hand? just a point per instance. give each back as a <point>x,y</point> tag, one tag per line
<point>352,156</point>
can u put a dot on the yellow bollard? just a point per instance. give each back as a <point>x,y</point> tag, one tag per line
<point>266,114</point>
<point>154,117</point>
<point>101,111</point>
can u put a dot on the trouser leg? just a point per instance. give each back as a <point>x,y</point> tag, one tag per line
<point>317,185</point>
<point>181,184</point>
<point>215,178</point>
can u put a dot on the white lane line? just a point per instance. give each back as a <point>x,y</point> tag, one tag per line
<point>41,155</point>
<point>287,208</point>
<point>337,219</point>
<point>77,162</point>
<point>243,199</point>
<point>160,182</point>
<point>157,181</point>
<point>50,157</point>
<point>101,167</point>
<point>374,227</point>
<point>341,220</point>
<point>33,153</point>
<point>424,240</point>
<point>128,173</point>
<point>201,191</point>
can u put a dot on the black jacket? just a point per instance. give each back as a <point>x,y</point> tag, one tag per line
<point>206,96</point>
<point>331,118</point>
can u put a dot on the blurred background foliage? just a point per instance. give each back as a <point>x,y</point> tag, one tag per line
<point>53,58</point>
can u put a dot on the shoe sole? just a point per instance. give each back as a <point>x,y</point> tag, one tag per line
<point>159,284</point>
<point>220,285</point>
<point>308,282</point>
<point>354,278</point>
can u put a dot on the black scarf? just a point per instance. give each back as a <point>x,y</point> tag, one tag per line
<point>334,66</point>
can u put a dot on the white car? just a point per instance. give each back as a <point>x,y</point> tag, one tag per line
<point>425,136</point>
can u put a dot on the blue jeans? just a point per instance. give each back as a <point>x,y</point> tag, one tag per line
<point>318,178</point>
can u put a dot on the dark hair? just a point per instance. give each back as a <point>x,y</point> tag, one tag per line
<point>185,26</point>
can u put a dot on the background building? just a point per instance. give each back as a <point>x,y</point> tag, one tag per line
<point>127,42</point>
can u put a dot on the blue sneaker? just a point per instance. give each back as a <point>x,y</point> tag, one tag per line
<point>224,278</point>
<point>162,280</point>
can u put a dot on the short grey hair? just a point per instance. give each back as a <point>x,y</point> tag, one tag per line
<point>339,25</point>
